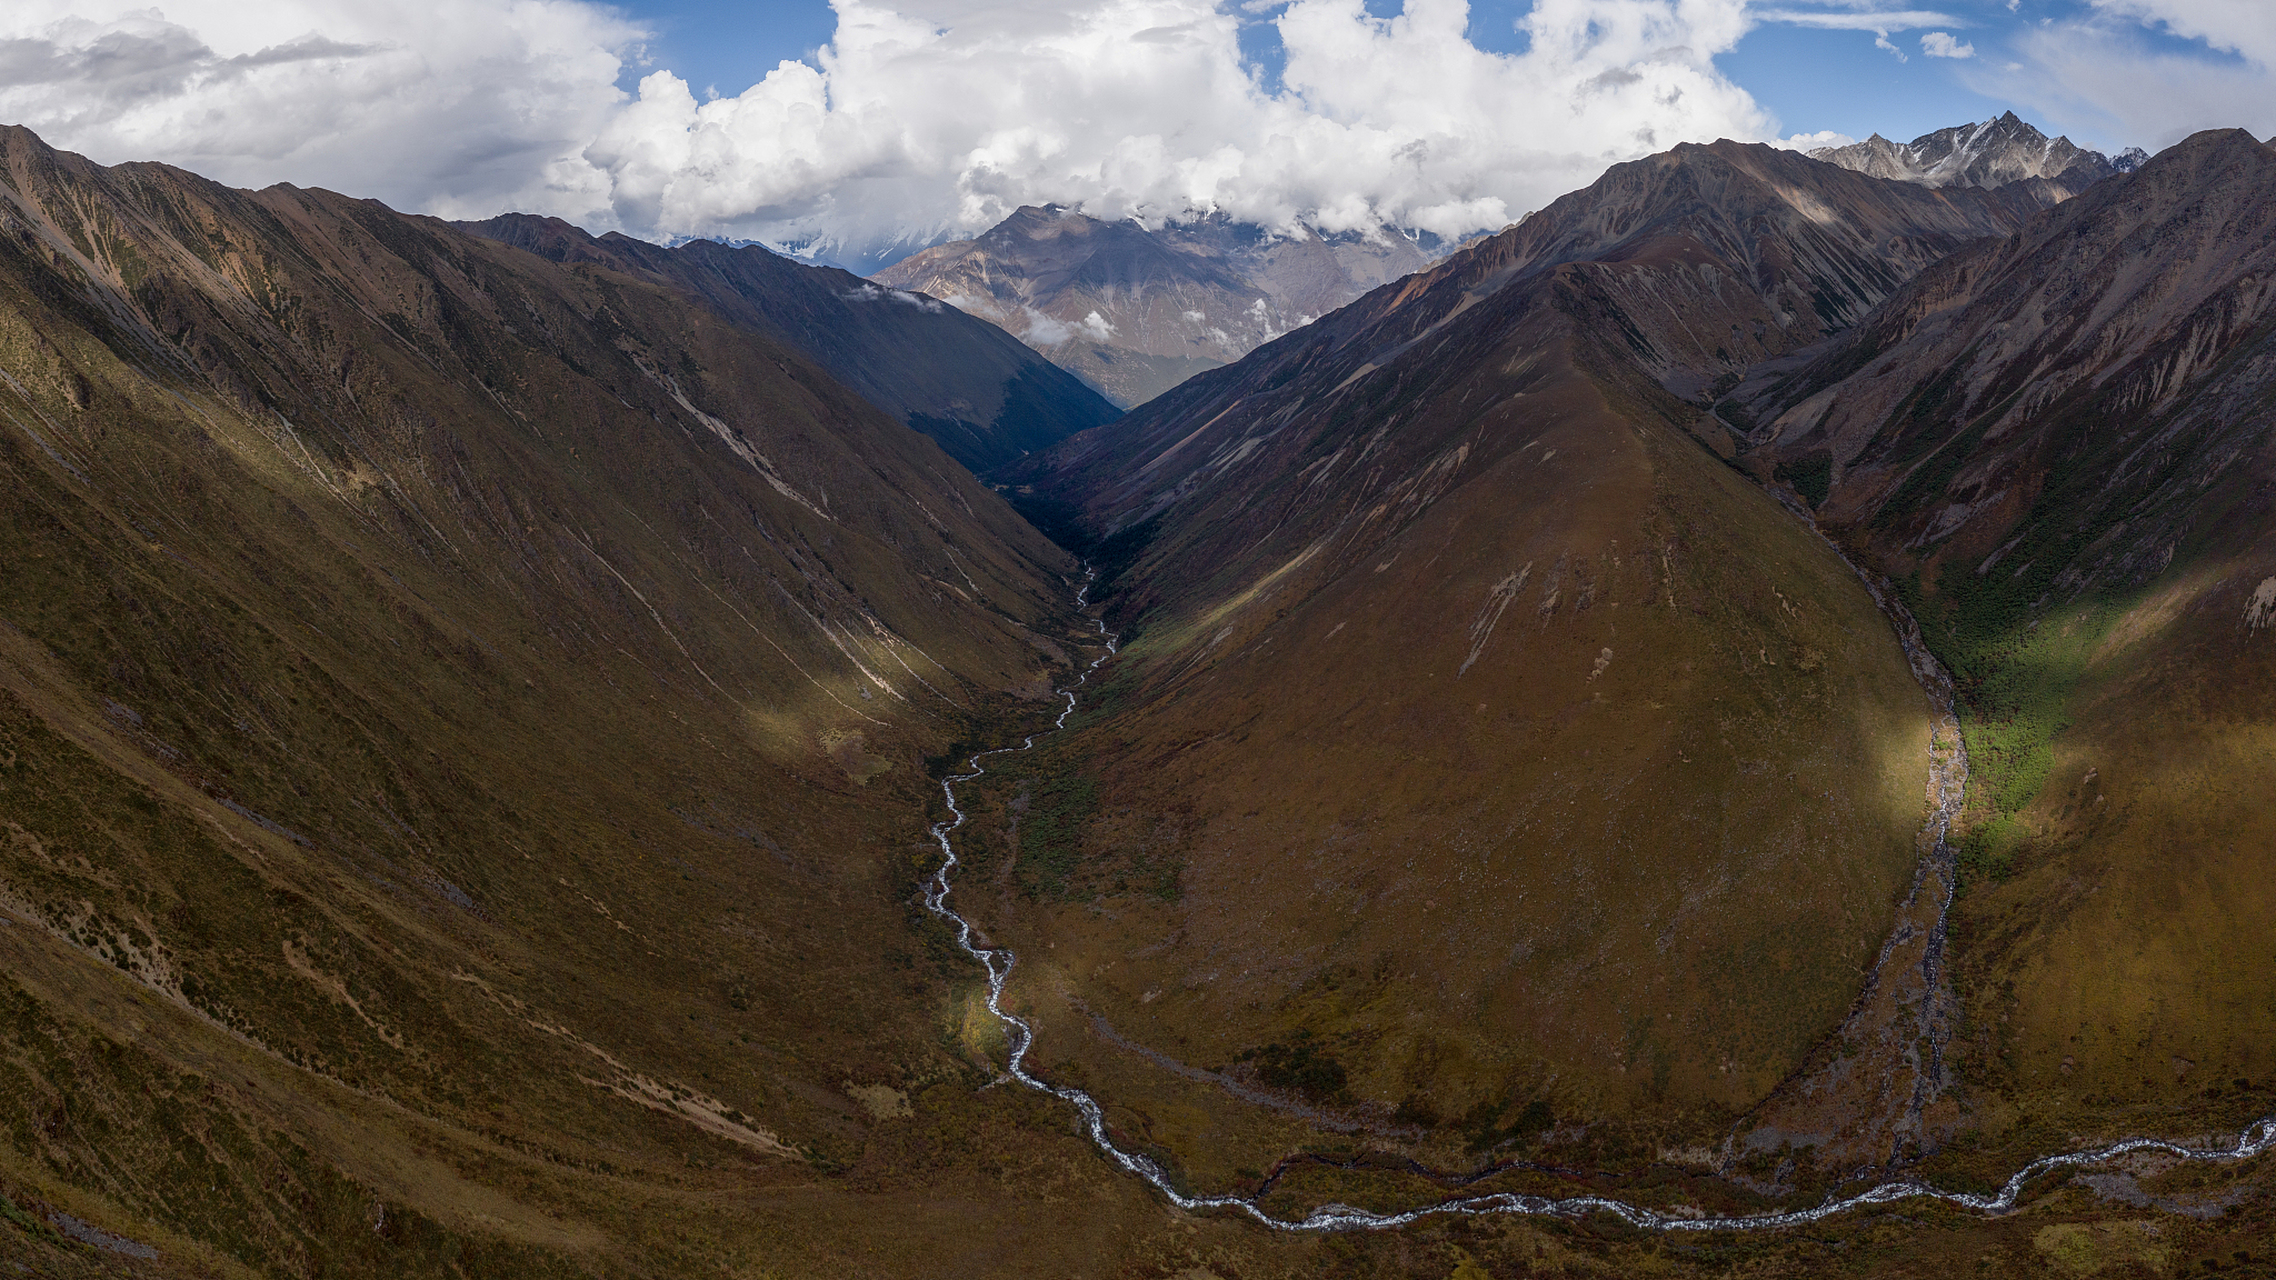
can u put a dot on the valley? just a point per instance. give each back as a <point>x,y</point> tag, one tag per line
<point>1716,730</point>
<point>1906,989</point>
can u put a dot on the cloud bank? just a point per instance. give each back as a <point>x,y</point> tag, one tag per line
<point>923,118</point>
<point>457,107</point>
<point>946,119</point>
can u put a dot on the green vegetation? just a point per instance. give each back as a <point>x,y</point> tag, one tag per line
<point>1490,1124</point>
<point>1060,807</point>
<point>1811,476</point>
<point>1304,1065</point>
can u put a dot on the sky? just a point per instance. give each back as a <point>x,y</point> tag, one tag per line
<point>858,130</point>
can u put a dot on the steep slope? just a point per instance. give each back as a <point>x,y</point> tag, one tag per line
<point>2060,445</point>
<point>966,383</point>
<point>1137,311</point>
<point>462,736</point>
<point>1520,759</point>
<point>1991,154</point>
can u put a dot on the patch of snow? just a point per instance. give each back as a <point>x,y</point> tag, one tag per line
<point>2261,609</point>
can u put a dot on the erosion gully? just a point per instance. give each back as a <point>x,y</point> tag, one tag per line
<point>1878,1107</point>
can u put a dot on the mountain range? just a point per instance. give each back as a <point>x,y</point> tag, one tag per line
<point>1989,154</point>
<point>1135,310</point>
<point>1754,683</point>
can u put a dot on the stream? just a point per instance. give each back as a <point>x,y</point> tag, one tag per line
<point>1948,778</point>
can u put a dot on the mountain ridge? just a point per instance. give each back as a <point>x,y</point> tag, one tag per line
<point>987,399</point>
<point>1992,153</point>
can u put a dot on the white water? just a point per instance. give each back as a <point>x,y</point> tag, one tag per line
<point>2258,1137</point>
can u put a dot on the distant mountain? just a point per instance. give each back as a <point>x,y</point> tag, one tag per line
<point>1991,154</point>
<point>985,397</point>
<point>2060,446</point>
<point>1136,311</point>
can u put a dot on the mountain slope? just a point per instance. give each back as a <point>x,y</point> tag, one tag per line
<point>1518,755</point>
<point>1137,311</point>
<point>966,383</point>
<point>463,725</point>
<point>2059,444</point>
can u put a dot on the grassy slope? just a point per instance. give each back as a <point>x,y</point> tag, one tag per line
<point>435,833</point>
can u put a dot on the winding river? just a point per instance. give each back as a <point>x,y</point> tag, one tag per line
<point>2257,1137</point>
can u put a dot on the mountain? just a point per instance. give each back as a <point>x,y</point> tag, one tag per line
<point>1135,311</point>
<point>985,398</point>
<point>1991,154</point>
<point>2058,444</point>
<point>464,725</point>
<point>1518,754</point>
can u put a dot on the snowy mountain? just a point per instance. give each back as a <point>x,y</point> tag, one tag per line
<point>1135,311</point>
<point>1991,154</point>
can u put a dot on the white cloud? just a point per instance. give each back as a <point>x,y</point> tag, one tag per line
<point>451,107</point>
<point>878,293</point>
<point>1940,44</point>
<point>1865,18</point>
<point>2244,27</point>
<point>2097,77</point>
<point>1097,327</point>
<point>1041,330</point>
<point>1878,21</point>
<point>1813,141</point>
<point>942,119</point>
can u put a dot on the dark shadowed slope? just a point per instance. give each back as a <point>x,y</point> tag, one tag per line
<point>960,380</point>
<point>2063,446</point>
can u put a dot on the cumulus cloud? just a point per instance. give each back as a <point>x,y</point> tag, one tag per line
<point>1941,44</point>
<point>945,116</point>
<point>1038,329</point>
<point>454,108</point>
<point>1813,141</point>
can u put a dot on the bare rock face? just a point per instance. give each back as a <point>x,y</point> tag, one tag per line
<point>1991,154</point>
<point>1135,311</point>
